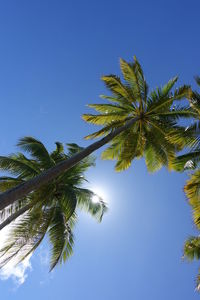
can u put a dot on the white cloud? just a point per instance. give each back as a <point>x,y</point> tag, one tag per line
<point>44,256</point>
<point>18,273</point>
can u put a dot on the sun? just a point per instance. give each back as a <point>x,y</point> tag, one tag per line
<point>95,199</point>
<point>100,194</point>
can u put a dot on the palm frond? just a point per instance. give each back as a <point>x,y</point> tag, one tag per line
<point>197,79</point>
<point>105,130</point>
<point>61,238</point>
<point>191,252</point>
<point>192,248</point>
<point>114,84</point>
<point>108,108</point>
<point>187,161</point>
<point>85,202</point>
<point>105,119</point>
<point>26,235</point>
<point>36,149</point>
<point>130,75</point>
<point>18,164</point>
<point>158,102</point>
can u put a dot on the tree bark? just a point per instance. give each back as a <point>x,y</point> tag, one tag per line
<point>10,196</point>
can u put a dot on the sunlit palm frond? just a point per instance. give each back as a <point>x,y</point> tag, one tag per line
<point>114,84</point>
<point>85,202</point>
<point>105,119</point>
<point>108,108</point>
<point>26,235</point>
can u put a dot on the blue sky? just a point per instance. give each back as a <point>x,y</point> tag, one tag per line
<point>52,55</point>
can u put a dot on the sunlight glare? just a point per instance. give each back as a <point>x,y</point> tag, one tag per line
<point>95,199</point>
<point>100,195</point>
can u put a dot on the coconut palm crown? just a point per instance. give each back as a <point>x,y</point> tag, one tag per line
<point>154,117</point>
<point>50,210</point>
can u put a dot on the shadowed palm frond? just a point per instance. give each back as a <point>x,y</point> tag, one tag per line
<point>37,150</point>
<point>50,210</point>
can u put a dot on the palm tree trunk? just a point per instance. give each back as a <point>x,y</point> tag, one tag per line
<point>10,196</point>
<point>14,216</point>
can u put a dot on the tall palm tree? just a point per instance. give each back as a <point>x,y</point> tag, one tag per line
<point>136,125</point>
<point>50,210</point>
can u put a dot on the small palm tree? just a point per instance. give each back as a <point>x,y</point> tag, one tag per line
<point>137,124</point>
<point>50,210</point>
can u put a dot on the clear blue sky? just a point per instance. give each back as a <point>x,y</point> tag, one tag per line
<point>52,55</point>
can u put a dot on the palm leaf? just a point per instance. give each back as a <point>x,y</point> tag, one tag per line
<point>36,149</point>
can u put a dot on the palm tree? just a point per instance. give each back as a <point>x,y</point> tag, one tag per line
<point>136,125</point>
<point>50,210</point>
<point>190,138</point>
<point>190,161</point>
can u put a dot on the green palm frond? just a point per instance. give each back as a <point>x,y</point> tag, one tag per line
<point>192,191</point>
<point>188,161</point>
<point>114,84</point>
<point>73,148</point>
<point>191,252</point>
<point>61,238</point>
<point>58,154</point>
<point>7,182</point>
<point>186,136</point>
<point>105,130</point>
<point>108,108</point>
<point>18,164</point>
<point>105,119</point>
<point>180,112</point>
<point>192,248</point>
<point>192,188</point>
<point>130,148</point>
<point>130,74</point>
<point>36,149</point>
<point>197,79</point>
<point>160,102</point>
<point>157,153</point>
<point>161,97</point>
